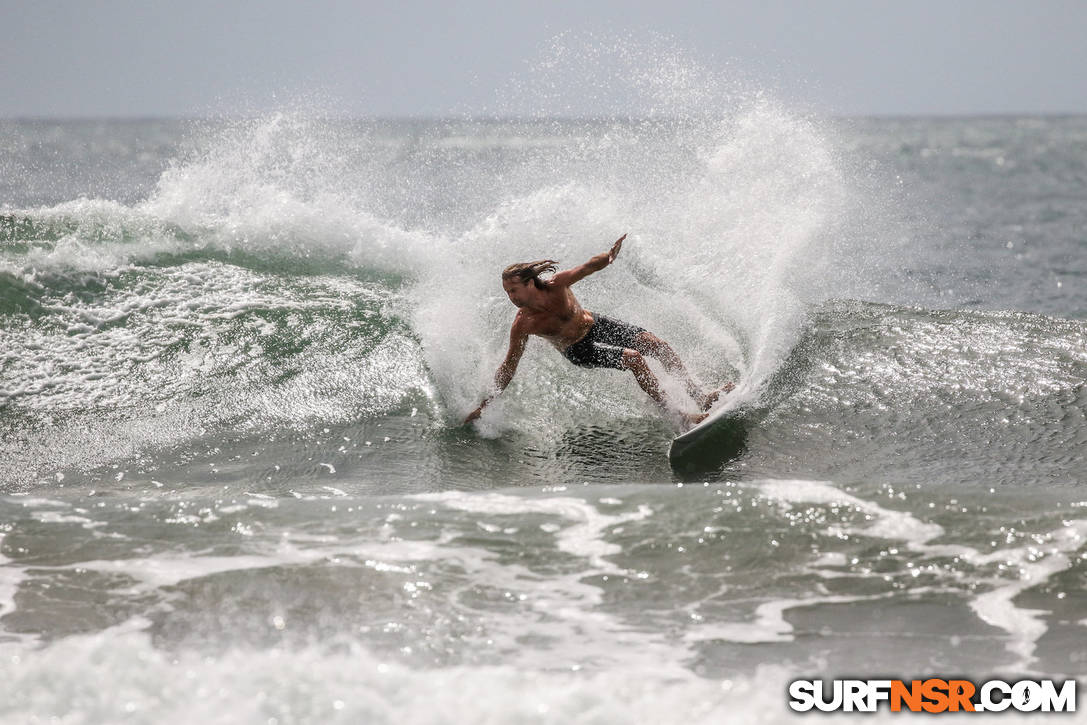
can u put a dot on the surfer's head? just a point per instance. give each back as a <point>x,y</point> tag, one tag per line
<point>515,279</point>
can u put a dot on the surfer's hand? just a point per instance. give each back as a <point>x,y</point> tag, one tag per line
<point>474,415</point>
<point>615,249</point>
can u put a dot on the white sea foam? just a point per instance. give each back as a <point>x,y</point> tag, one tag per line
<point>584,538</point>
<point>10,578</point>
<point>120,675</point>
<point>886,523</point>
<point>1035,563</point>
<point>167,569</point>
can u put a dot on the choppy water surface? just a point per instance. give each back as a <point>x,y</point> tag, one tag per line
<point>234,356</point>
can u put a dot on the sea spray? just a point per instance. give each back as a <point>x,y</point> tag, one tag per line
<point>289,270</point>
<point>723,254</point>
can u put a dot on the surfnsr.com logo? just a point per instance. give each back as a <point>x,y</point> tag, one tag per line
<point>933,695</point>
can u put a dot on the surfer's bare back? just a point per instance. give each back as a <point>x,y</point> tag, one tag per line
<point>547,307</point>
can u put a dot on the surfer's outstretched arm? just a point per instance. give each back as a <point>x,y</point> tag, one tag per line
<point>567,277</point>
<point>518,340</point>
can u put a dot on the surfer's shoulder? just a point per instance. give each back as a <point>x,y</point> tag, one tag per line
<point>523,324</point>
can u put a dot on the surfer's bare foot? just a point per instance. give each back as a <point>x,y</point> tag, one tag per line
<point>712,397</point>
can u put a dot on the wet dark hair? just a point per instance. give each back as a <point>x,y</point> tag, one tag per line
<point>525,271</point>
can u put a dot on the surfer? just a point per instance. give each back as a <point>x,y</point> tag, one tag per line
<point>547,307</point>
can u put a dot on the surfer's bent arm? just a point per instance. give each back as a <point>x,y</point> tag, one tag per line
<point>504,374</point>
<point>567,277</point>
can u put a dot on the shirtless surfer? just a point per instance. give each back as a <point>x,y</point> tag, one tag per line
<point>547,307</point>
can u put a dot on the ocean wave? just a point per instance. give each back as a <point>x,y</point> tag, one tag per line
<point>165,360</point>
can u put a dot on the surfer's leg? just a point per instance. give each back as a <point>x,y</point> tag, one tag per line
<point>649,344</point>
<point>635,363</point>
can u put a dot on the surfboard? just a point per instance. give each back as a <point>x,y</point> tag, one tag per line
<point>718,425</point>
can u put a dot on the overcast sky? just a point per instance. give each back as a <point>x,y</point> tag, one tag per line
<point>409,58</point>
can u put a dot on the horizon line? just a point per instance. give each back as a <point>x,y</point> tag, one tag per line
<point>435,118</point>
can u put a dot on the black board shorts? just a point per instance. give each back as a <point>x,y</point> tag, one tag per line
<point>603,344</point>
